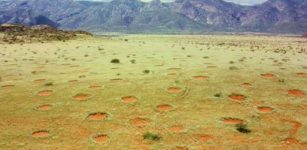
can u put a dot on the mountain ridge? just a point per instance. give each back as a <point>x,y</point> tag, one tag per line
<point>180,16</point>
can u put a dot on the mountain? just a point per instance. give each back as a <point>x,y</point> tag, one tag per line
<point>180,16</point>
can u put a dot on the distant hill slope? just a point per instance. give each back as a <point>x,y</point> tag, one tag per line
<point>181,16</point>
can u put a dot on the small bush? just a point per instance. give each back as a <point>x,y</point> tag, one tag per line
<point>243,129</point>
<point>49,84</point>
<point>151,136</point>
<point>218,95</point>
<point>133,61</point>
<point>146,71</point>
<point>115,61</point>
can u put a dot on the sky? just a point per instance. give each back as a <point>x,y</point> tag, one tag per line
<point>242,2</point>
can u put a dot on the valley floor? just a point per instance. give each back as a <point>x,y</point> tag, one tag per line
<point>155,92</point>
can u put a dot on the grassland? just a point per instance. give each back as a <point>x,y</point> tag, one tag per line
<point>155,92</point>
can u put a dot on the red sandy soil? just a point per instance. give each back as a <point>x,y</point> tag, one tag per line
<point>44,107</point>
<point>174,90</point>
<point>176,128</point>
<point>265,109</point>
<point>233,121</point>
<point>81,97</point>
<point>101,138</point>
<point>40,134</point>
<point>98,116</point>
<point>296,92</point>
<point>200,78</point>
<point>268,75</point>
<point>45,93</point>
<point>140,122</point>
<point>237,97</point>
<point>129,99</point>
<point>164,108</point>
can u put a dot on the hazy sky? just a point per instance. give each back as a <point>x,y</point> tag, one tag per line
<point>244,2</point>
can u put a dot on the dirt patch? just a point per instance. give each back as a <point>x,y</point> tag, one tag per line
<point>140,122</point>
<point>301,74</point>
<point>39,80</point>
<point>237,97</point>
<point>200,78</point>
<point>45,93</point>
<point>265,109</point>
<point>164,108</point>
<point>44,107</point>
<point>176,128</point>
<point>174,90</point>
<point>7,86</point>
<point>129,99</point>
<point>101,138</point>
<point>268,76</point>
<point>180,148</point>
<point>232,121</point>
<point>81,97</point>
<point>246,85</point>
<point>98,116</point>
<point>73,81</point>
<point>290,141</point>
<point>296,92</point>
<point>205,137</point>
<point>40,134</point>
<point>95,87</point>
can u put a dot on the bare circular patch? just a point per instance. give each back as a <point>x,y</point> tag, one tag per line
<point>164,108</point>
<point>180,148</point>
<point>265,109</point>
<point>39,80</point>
<point>205,137</point>
<point>81,97</point>
<point>174,90</point>
<point>237,97</point>
<point>129,99</point>
<point>174,69</point>
<point>45,93</point>
<point>232,121</point>
<point>200,78</point>
<point>8,86</point>
<point>44,107</point>
<point>268,75</point>
<point>290,141</point>
<point>73,81</point>
<point>117,79</point>
<point>246,85</point>
<point>296,92</point>
<point>140,122</point>
<point>98,116</point>
<point>95,87</point>
<point>301,74</point>
<point>101,138</point>
<point>176,128</point>
<point>40,134</point>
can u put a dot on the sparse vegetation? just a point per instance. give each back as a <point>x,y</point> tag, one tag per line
<point>39,33</point>
<point>151,136</point>
<point>243,128</point>
<point>146,71</point>
<point>218,95</point>
<point>49,84</point>
<point>115,61</point>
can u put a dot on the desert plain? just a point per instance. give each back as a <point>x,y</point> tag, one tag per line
<point>155,92</point>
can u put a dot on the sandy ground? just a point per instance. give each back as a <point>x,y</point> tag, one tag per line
<point>194,92</point>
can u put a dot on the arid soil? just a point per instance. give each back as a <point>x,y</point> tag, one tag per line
<point>144,92</point>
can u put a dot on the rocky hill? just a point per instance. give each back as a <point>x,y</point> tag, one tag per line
<point>181,16</point>
<point>11,33</point>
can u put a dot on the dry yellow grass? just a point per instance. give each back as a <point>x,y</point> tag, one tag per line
<point>195,92</point>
